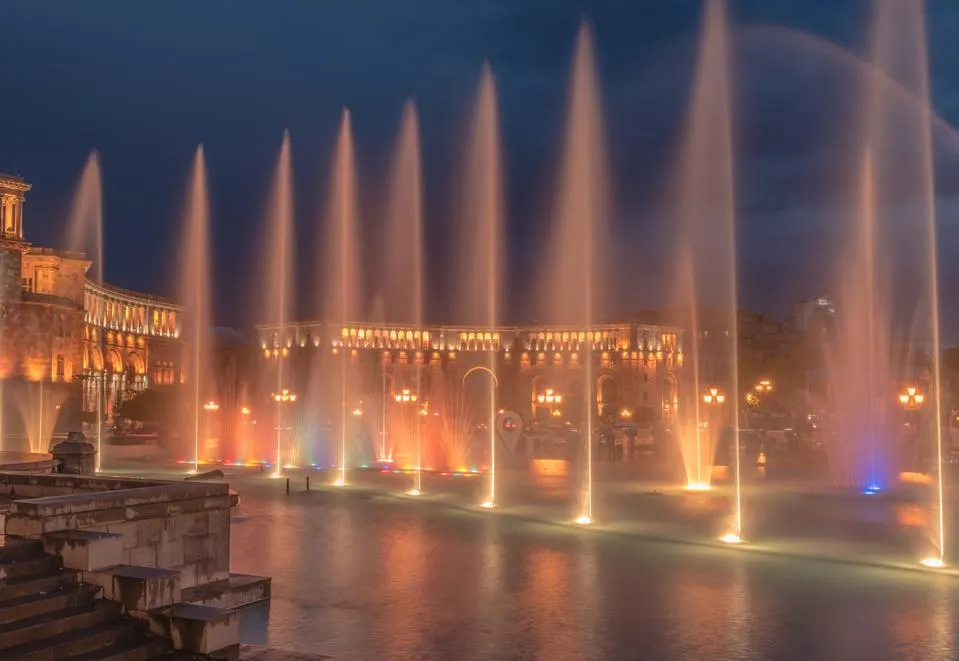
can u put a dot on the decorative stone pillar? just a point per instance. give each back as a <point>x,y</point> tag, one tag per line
<point>75,454</point>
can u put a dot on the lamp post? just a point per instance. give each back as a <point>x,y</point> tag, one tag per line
<point>281,398</point>
<point>551,399</point>
<point>911,398</point>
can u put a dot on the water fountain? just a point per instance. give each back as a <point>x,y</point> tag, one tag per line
<point>194,292</point>
<point>707,220</point>
<point>278,293</point>
<point>888,258</point>
<point>343,277</point>
<point>404,260</point>
<point>580,226</point>
<point>483,219</point>
<point>85,233</point>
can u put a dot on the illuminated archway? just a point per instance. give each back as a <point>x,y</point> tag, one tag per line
<point>115,361</point>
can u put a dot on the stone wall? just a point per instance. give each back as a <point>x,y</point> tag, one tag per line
<point>184,527</point>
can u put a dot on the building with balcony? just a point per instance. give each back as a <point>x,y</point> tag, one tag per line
<point>67,342</point>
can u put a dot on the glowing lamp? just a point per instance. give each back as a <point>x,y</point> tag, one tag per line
<point>413,492</point>
<point>245,411</point>
<point>211,406</point>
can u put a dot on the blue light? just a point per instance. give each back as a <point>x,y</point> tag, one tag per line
<point>872,490</point>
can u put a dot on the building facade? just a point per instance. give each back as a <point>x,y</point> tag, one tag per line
<point>631,371</point>
<point>78,337</point>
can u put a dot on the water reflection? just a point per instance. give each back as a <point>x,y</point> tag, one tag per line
<point>362,577</point>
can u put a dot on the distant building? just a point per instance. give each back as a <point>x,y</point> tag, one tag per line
<point>59,328</point>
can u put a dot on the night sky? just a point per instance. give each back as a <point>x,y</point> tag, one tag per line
<point>145,82</point>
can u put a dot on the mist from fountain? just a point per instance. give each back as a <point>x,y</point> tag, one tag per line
<point>343,278</point>
<point>404,262</point>
<point>580,231</point>
<point>481,244</point>
<point>278,298</point>
<point>887,258</point>
<point>194,289</point>
<point>705,199</point>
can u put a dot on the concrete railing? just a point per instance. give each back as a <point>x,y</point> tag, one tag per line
<point>178,526</point>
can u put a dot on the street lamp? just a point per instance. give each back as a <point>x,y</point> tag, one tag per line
<point>911,398</point>
<point>764,386</point>
<point>209,407</point>
<point>281,398</point>
<point>357,412</point>
<point>714,397</point>
<point>284,396</point>
<point>549,397</point>
<point>405,396</point>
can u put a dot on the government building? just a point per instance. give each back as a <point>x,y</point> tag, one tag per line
<point>69,346</point>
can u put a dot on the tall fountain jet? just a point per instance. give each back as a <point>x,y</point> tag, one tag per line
<point>278,298</point>
<point>580,229</point>
<point>481,246</point>
<point>86,234</point>
<point>404,259</point>
<point>343,283</point>
<point>891,255</point>
<point>707,220</point>
<point>194,291</point>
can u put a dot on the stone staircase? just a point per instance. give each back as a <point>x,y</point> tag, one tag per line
<point>47,614</point>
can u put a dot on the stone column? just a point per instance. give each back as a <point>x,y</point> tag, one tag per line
<point>20,219</point>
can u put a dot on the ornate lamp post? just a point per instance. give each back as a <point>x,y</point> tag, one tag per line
<point>551,399</point>
<point>281,398</point>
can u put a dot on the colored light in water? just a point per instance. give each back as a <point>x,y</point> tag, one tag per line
<point>584,520</point>
<point>339,482</point>
<point>731,538</point>
<point>488,504</point>
<point>413,492</point>
<point>698,486</point>
<point>872,490</point>
<point>932,562</point>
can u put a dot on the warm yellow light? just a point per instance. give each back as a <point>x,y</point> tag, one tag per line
<point>932,562</point>
<point>413,492</point>
<point>918,398</point>
<point>731,538</point>
<point>339,482</point>
<point>211,406</point>
<point>698,486</point>
<point>357,412</point>
<point>584,520</point>
<point>245,411</point>
<point>488,504</point>
<point>904,398</point>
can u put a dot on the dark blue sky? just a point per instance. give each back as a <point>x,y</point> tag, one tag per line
<point>145,81</point>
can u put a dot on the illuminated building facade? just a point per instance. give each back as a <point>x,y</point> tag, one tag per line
<point>634,372</point>
<point>59,328</point>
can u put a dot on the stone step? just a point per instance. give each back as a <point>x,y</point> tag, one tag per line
<point>88,641</point>
<point>17,549</point>
<point>50,625</point>
<point>140,649</point>
<point>32,605</point>
<point>29,585</point>
<point>41,566</point>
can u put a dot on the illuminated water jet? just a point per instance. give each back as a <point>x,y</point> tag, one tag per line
<point>933,562</point>
<point>582,216</point>
<point>194,290</point>
<point>488,504</point>
<point>343,278</point>
<point>698,486</point>
<point>583,520</point>
<point>731,538</point>
<point>705,202</point>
